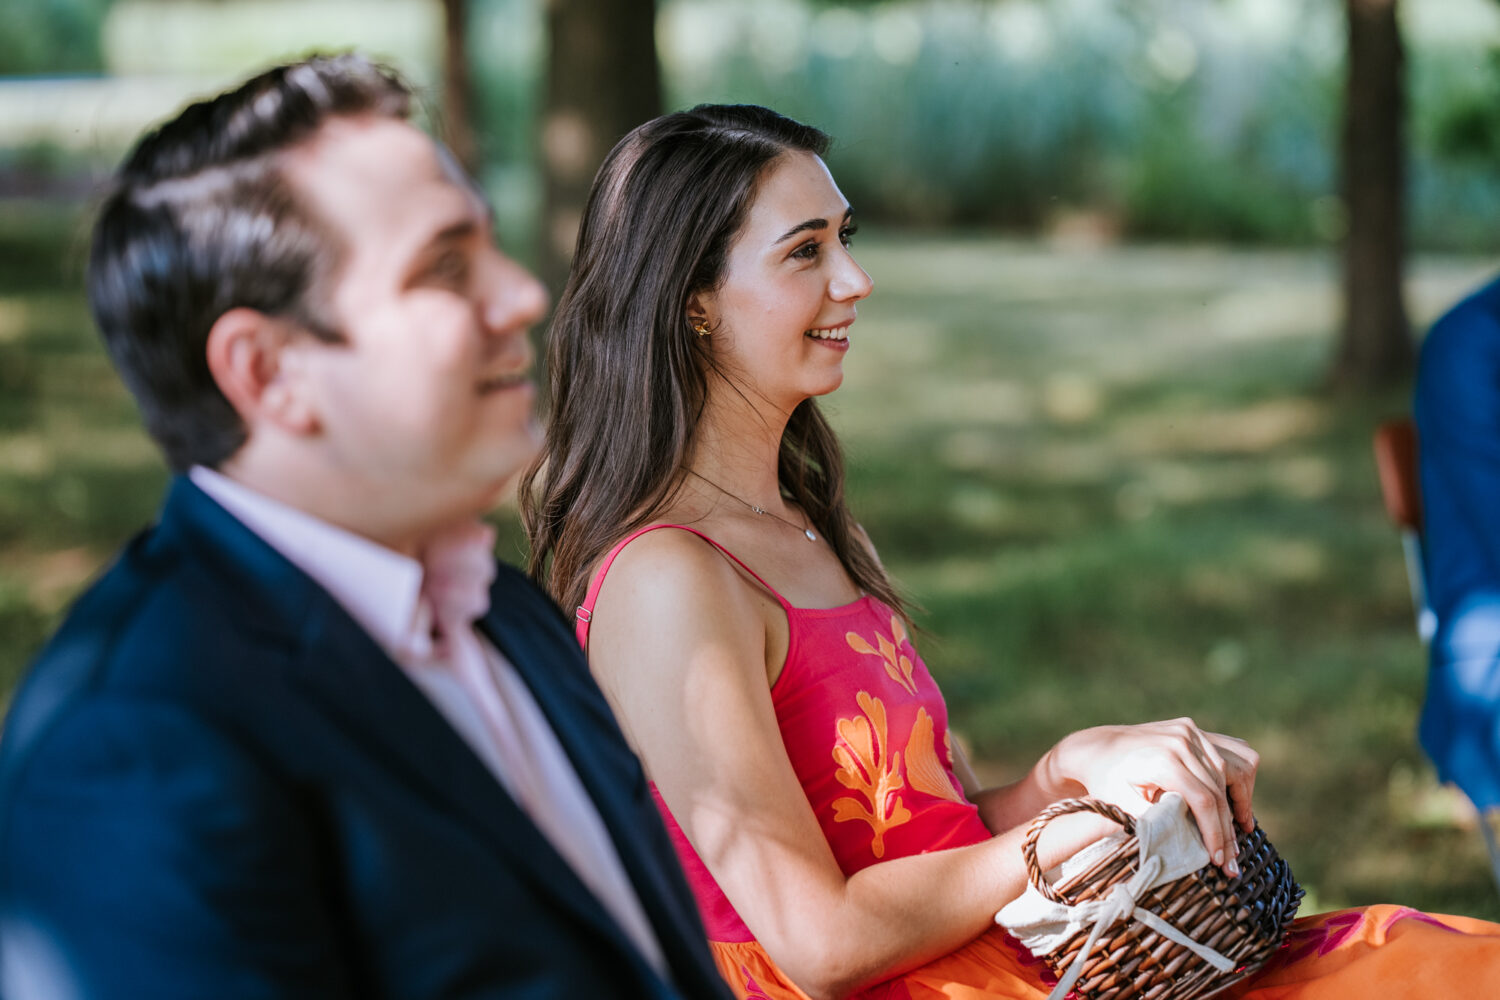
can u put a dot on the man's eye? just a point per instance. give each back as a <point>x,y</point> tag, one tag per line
<point>451,269</point>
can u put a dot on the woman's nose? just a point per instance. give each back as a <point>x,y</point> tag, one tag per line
<point>851,283</point>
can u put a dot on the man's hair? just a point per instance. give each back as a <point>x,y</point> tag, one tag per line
<point>199,220</point>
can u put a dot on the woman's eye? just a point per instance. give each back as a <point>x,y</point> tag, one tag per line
<point>807,251</point>
<point>846,235</point>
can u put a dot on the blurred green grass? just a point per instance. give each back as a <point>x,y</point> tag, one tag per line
<point>1107,475</point>
<point>1110,477</point>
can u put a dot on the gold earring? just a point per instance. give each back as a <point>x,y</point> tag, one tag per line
<point>701,328</point>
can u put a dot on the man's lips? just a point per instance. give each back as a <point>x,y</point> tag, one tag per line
<point>505,380</point>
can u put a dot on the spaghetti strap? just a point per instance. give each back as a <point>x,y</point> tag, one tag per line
<point>584,613</point>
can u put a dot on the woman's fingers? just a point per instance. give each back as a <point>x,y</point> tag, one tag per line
<point>1241,763</point>
<point>1215,822</point>
<point>1215,775</point>
<point>1204,790</point>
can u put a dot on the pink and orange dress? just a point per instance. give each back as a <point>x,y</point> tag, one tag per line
<point>866,730</point>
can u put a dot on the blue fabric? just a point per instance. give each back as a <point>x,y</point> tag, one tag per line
<point>214,784</point>
<point>1458,427</point>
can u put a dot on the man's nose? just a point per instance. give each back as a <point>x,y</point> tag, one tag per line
<point>515,299</point>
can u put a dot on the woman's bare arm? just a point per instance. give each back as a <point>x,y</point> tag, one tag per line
<point>678,643</point>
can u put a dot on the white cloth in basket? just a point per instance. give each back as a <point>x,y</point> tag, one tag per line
<point>1170,847</point>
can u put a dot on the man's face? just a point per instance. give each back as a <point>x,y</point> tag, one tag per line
<point>428,406</point>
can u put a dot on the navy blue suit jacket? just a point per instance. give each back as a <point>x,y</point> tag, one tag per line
<point>1458,426</point>
<point>214,784</point>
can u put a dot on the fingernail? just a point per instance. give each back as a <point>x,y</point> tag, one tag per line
<point>1219,857</point>
<point>1233,869</point>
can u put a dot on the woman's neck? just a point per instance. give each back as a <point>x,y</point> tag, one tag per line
<point>737,447</point>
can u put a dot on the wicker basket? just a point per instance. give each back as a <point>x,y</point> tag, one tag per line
<point>1245,919</point>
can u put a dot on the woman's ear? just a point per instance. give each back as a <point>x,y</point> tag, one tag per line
<point>697,308</point>
<point>253,359</point>
<point>698,316</point>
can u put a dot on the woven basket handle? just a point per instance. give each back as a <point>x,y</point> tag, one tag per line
<point>1063,807</point>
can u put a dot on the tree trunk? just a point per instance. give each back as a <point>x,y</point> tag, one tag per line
<point>1375,345</point>
<point>602,81</point>
<point>458,86</point>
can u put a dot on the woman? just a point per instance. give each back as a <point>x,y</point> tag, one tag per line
<point>689,502</point>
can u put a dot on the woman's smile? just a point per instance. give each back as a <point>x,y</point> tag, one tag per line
<point>833,336</point>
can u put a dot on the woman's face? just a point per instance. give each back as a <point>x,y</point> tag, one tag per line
<point>780,319</point>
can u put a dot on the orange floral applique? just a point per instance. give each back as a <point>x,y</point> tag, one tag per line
<point>897,663</point>
<point>867,766</point>
<point>923,769</point>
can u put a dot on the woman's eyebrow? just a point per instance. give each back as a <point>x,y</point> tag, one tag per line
<point>802,227</point>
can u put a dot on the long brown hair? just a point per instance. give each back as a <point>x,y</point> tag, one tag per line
<point>628,376</point>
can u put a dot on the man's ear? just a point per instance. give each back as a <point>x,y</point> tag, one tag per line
<point>252,357</point>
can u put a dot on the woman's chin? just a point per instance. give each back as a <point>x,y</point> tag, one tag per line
<point>832,382</point>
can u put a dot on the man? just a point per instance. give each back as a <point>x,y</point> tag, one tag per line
<point>268,754</point>
<point>1457,409</point>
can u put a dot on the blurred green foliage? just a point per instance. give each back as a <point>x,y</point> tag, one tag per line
<point>77,475</point>
<point>51,36</point>
<point>1158,119</point>
<point>1457,147</point>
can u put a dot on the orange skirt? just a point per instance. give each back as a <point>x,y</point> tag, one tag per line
<point>1390,952</point>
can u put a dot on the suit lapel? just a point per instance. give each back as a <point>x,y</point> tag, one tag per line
<point>351,680</point>
<point>355,683</point>
<point>527,629</point>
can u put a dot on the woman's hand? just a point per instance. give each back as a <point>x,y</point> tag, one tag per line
<point>1131,766</point>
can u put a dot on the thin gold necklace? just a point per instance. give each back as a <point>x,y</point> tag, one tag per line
<point>759,510</point>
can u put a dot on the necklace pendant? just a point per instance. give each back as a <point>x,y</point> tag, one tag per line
<point>807,532</point>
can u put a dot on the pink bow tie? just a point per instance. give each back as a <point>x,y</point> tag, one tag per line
<point>458,566</point>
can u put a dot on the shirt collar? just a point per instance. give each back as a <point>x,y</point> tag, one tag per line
<point>379,587</point>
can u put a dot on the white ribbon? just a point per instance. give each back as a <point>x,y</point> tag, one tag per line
<point>1120,905</point>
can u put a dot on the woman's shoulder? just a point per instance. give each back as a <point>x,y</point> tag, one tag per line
<point>675,563</point>
<point>668,596</point>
